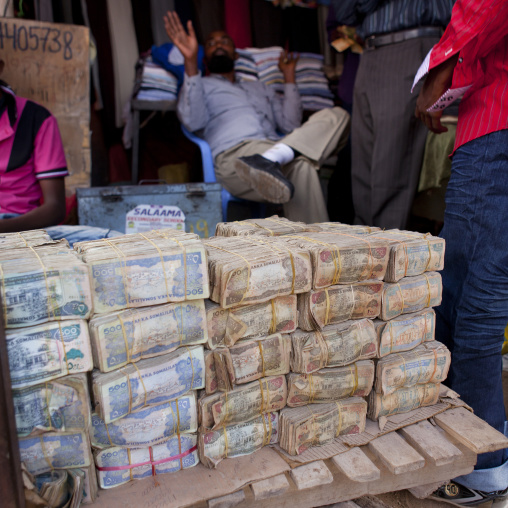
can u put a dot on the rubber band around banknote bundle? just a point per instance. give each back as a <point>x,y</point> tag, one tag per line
<point>401,298</point>
<point>226,445</point>
<point>428,289</point>
<point>262,358</point>
<point>434,350</point>
<point>178,433</point>
<point>339,423</point>
<point>273,324</point>
<point>147,463</point>
<point>44,453</point>
<point>327,308</point>
<point>323,349</point>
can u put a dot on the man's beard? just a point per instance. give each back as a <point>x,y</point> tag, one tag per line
<point>220,64</point>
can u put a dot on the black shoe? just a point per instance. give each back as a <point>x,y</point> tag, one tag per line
<point>265,177</point>
<point>458,495</point>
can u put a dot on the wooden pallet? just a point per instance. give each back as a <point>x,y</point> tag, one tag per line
<point>421,454</point>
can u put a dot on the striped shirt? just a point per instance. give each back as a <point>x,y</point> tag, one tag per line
<point>478,32</point>
<point>374,17</point>
<point>30,150</point>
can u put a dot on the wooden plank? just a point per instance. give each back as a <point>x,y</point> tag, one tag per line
<point>431,443</point>
<point>356,465</point>
<point>270,487</point>
<point>311,475</point>
<point>467,428</point>
<point>49,64</point>
<point>396,454</point>
<point>424,491</point>
<point>229,501</point>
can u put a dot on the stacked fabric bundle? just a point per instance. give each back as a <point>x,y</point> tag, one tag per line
<point>155,83</point>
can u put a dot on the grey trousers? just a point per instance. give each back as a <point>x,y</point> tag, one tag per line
<point>324,133</point>
<point>387,140</point>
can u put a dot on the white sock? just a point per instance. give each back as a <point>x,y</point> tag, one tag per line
<point>281,153</point>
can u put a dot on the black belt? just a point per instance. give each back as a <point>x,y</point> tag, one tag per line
<point>376,41</point>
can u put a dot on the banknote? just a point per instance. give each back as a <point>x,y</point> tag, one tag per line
<point>239,439</point>
<point>139,270</point>
<point>46,283</point>
<point>318,424</point>
<point>52,487</point>
<point>270,226</point>
<point>427,363</point>
<point>411,253</point>
<point>345,228</point>
<point>118,466</point>
<point>150,382</point>
<point>249,360</point>
<point>334,346</point>
<point>148,426</point>
<point>131,335</point>
<point>227,326</point>
<point>75,484</point>
<point>402,400</point>
<point>60,405</point>
<point>328,385</point>
<point>55,450</point>
<point>405,332</point>
<point>248,401</point>
<point>336,304</point>
<point>210,373</point>
<point>49,351</point>
<point>411,294</point>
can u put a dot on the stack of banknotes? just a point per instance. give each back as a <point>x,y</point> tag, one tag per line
<point>31,238</point>
<point>271,226</point>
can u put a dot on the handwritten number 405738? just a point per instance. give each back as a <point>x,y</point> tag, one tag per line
<point>35,38</point>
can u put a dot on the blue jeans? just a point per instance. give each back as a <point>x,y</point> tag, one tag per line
<point>73,233</point>
<point>474,312</point>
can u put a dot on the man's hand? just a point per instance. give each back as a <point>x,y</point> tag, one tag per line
<point>437,82</point>
<point>187,43</point>
<point>287,65</point>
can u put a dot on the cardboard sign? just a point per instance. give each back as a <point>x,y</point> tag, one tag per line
<point>147,217</point>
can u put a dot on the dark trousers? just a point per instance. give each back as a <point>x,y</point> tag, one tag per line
<point>387,140</point>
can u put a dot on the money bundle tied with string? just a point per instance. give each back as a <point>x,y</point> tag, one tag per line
<point>334,346</point>
<point>58,405</point>
<point>229,441</point>
<point>244,403</point>
<point>318,424</point>
<point>341,257</point>
<point>402,400</point>
<point>411,294</point>
<point>42,353</point>
<point>227,326</point>
<point>335,304</point>
<point>271,226</point>
<point>328,385</point>
<point>118,466</point>
<point>148,382</point>
<point>248,270</point>
<point>131,335</point>
<point>32,238</point>
<point>339,227</point>
<point>148,426</point>
<point>159,266</point>
<point>405,332</point>
<point>250,360</point>
<point>411,253</point>
<point>427,363</point>
<point>43,283</point>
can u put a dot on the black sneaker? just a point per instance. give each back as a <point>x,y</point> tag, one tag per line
<point>458,495</point>
<point>265,177</point>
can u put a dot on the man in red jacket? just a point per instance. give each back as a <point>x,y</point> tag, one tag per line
<point>472,59</point>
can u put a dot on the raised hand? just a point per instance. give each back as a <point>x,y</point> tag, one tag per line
<point>185,41</point>
<point>287,65</point>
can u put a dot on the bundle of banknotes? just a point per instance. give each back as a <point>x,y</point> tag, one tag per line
<point>405,332</point>
<point>402,400</point>
<point>58,405</point>
<point>244,403</point>
<point>411,294</point>
<point>427,363</point>
<point>43,283</point>
<point>239,439</point>
<point>31,238</point>
<point>339,227</point>
<point>131,335</point>
<point>411,253</point>
<point>334,346</point>
<point>319,424</point>
<point>342,258</point>
<point>41,353</point>
<point>148,426</point>
<point>252,359</point>
<point>148,382</point>
<point>227,326</point>
<point>247,270</point>
<point>117,466</point>
<point>143,269</point>
<point>328,385</point>
<point>336,304</point>
<point>271,226</point>
<point>53,487</point>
